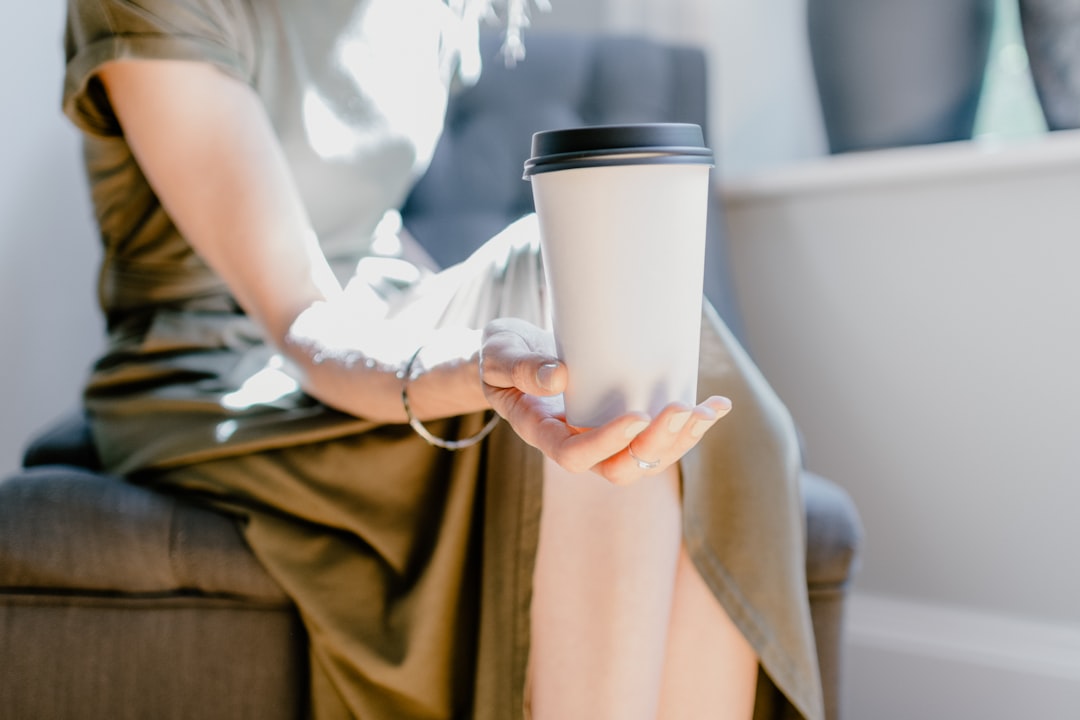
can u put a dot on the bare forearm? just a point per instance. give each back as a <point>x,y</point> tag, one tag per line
<point>355,366</point>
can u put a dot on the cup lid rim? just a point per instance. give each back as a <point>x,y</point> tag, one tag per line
<point>601,152</point>
<point>593,138</point>
<point>569,145</point>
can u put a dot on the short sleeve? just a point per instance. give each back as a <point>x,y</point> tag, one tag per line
<point>216,31</point>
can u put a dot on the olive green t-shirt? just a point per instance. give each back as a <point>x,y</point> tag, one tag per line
<point>355,90</point>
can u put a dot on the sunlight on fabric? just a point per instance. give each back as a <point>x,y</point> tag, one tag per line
<point>330,136</point>
<point>387,241</point>
<point>264,387</point>
<point>225,430</point>
<point>396,75</point>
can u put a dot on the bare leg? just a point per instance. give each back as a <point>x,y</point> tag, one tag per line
<point>710,670</point>
<point>605,571</point>
<point>609,584</point>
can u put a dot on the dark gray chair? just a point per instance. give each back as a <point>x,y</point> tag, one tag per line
<point>121,602</point>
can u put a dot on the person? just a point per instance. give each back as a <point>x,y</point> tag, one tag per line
<point>278,349</point>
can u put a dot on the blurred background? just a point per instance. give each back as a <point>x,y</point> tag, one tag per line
<point>913,301</point>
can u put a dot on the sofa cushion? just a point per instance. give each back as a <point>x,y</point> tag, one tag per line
<point>63,529</point>
<point>67,442</point>
<point>128,512</point>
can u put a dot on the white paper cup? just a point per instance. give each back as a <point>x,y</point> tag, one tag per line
<point>622,213</point>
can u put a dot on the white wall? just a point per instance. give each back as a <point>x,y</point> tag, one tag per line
<point>48,252</point>
<point>917,310</point>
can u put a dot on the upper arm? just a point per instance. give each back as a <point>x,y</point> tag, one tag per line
<point>208,150</point>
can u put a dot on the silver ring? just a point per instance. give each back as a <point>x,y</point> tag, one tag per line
<point>643,464</point>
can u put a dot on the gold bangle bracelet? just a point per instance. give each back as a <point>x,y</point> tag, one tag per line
<point>406,374</point>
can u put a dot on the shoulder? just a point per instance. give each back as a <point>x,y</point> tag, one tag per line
<point>219,32</point>
<point>220,20</point>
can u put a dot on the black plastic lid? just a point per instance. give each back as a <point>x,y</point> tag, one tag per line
<point>646,143</point>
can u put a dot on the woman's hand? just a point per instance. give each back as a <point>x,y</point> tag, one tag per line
<point>523,381</point>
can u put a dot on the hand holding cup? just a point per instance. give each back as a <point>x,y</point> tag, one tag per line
<point>524,381</point>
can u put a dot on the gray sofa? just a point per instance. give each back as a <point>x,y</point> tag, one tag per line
<point>119,602</point>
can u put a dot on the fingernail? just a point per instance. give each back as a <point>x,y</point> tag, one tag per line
<point>720,405</point>
<point>545,374</point>
<point>698,429</point>
<point>678,421</point>
<point>632,431</point>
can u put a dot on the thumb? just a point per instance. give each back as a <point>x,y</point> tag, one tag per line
<point>550,378</point>
<point>507,360</point>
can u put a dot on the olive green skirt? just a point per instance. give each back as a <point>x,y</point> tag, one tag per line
<point>412,566</point>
